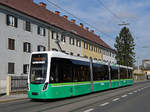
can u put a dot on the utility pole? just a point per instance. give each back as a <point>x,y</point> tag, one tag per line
<point>124,24</point>
<point>138,59</point>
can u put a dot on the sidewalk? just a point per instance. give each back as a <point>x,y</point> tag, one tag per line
<point>15,97</point>
<point>138,81</point>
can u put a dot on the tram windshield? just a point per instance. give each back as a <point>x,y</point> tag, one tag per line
<point>38,68</point>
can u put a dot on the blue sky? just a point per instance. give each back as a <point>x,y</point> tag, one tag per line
<point>135,12</point>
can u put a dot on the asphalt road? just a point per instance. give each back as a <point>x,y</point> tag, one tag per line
<point>134,98</point>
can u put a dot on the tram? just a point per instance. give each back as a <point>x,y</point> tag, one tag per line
<point>55,75</point>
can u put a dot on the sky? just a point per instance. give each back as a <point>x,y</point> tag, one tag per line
<point>105,15</point>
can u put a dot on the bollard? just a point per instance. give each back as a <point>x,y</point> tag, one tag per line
<point>8,89</point>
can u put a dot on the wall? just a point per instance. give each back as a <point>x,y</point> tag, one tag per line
<point>87,52</point>
<point>17,56</point>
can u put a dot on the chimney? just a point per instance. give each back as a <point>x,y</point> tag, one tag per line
<point>42,4</point>
<point>81,25</point>
<point>57,13</point>
<point>73,20</point>
<point>87,28</point>
<point>92,31</point>
<point>65,16</point>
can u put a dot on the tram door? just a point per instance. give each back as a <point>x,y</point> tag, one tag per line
<point>91,73</point>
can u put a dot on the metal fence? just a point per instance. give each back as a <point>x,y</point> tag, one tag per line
<point>18,83</point>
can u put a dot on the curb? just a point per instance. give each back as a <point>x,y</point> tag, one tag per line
<point>140,81</point>
<point>11,100</point>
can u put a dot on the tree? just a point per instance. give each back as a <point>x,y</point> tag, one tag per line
<point>124,45</point>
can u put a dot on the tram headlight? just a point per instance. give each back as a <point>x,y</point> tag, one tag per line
<point>45,86</point>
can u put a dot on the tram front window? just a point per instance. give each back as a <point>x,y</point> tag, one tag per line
<point>38,68</point>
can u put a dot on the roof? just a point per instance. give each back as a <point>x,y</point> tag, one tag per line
<point>32,9</point>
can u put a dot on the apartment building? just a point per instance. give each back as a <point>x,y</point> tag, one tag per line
<point>27,27</point>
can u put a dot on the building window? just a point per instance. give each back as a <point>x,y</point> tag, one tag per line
<point>71,53</point>
<point>41,48</point>
<point>41,31</point>
<point>63,38</point>
<point>71,41</point>
<point>54,35</point>
<point>99,50</point>
<point>25,68</point>
<point>85,56</point>
<point>95,58</point>
<point>78,43</point>
<point>95,49</point>
<point>27,47</point>
<point>54,49</point>
<point>28,26</point>
<point>11,68</point>
<point>11,44</point>
<point>85,45</point>
<point>11,21</point>
<point>91,48</point>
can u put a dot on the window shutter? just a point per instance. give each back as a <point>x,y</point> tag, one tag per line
<point>16,22</point>
<point>57,36</point>
<point>44,48</point>
<point>79,43</point>
<point>9,44</point>
<point>70,40</point>
<point>7,20</point>
<point>24,47</point>
<point>73,41</point>
<point>24,67</point>
<point>38,48</point>
<point>52,35</point>
<point>29,26</point>
<point>38,30</point>
<point>13,44</point>
<point>44,32</point>
<point>29,47</point>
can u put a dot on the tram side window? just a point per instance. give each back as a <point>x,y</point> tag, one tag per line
<point>114,72</point>
<point>130,73</point>
<point>81,71</point>
<point>123,73</point>
<point>100,72</point>
<point>61,71</point>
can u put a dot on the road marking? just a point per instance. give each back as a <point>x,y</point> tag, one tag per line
<point>124,96</point>
<point>104,104</point>
<point>130,93</point>
<point>115,99</point>
<point>89,110</point>
<point>135,91</point>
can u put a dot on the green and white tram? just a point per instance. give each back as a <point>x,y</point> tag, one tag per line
<point>58,75</point>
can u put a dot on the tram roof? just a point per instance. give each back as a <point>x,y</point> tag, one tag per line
<point>63,55</point>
